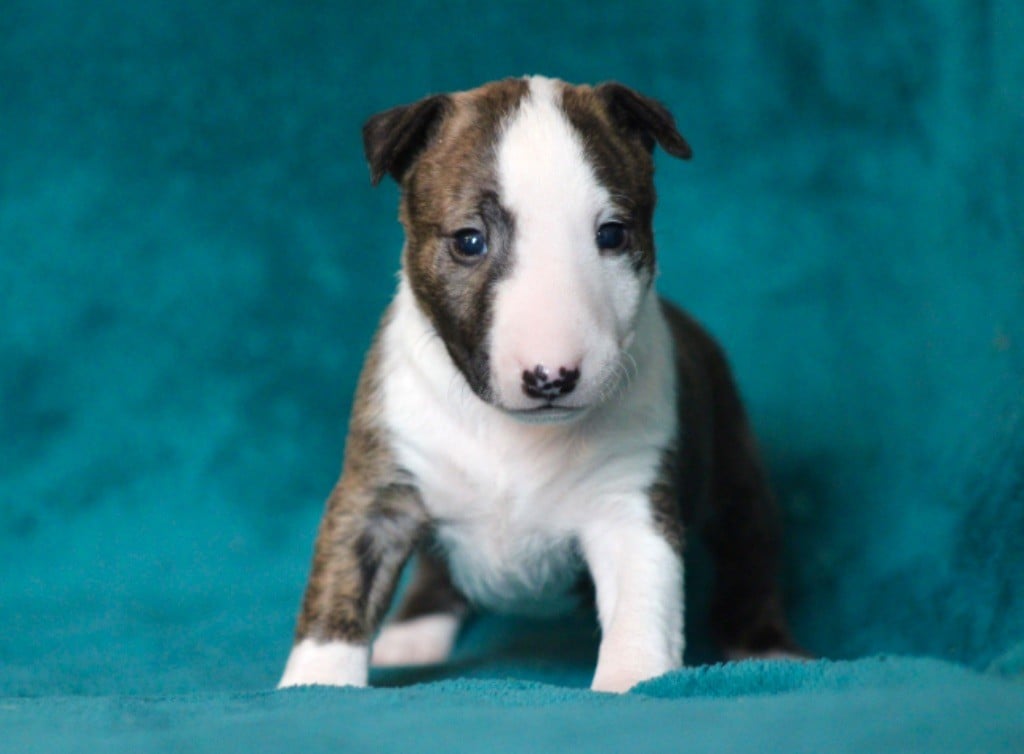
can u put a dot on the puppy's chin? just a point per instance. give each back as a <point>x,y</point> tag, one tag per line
<point>546,414</point>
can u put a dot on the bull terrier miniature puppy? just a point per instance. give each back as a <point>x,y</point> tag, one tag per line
<point>532,418</point>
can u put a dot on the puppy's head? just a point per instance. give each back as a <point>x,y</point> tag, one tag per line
<point>527,207</point>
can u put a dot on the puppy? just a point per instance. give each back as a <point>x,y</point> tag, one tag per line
<point>532,417</point>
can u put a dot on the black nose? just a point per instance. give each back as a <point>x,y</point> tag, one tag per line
<point>538,384</point>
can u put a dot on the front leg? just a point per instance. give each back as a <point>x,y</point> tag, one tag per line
<point>638,578</point>
<point>366,535</point>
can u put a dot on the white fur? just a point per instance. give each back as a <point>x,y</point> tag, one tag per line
<point>639,585</point>
<point>332,663</point>
<point>420,641</point>
<point>514,501</point>
<point>564,305</point>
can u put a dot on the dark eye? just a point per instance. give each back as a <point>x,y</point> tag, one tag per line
<point>470,243</point>
<point>611,236</point>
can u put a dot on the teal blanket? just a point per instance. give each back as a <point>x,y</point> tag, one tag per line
<point>192,263</point>
<point>866,706</point>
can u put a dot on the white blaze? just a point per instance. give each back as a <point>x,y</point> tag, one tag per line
<point>563,304</point>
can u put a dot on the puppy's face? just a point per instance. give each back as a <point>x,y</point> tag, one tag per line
<point>527,206</point>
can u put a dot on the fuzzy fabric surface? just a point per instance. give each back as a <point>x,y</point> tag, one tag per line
<point>192,264</point>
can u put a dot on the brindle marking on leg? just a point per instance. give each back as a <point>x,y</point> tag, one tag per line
<point>431,591</point>
<point>726,495</point>
<point>373,520</point>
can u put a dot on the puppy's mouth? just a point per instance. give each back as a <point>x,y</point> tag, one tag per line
<point>547,413</point>
<point>564,409</point>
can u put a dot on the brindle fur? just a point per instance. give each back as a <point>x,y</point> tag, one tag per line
<point>453,185</point>
<point>441,151</point>
<point>431,591</point>
<point>619,148</point>
<point>713,480</point>
<point>373,520</point>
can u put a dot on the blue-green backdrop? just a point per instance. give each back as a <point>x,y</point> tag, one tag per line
<point>192,263</point>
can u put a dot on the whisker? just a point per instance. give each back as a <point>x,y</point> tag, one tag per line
<point>633,373</point>
<point>428,335</point>
<point>624,369</point>
<point>456,392</point>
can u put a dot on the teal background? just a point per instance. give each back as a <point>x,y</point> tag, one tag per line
<point>192,263</point>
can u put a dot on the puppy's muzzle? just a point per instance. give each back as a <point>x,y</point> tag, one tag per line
<point>537,383</point>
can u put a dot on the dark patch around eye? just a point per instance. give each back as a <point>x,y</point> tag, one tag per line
<point>463,312</point>
<point>453,187</point>
<point>622,165</point>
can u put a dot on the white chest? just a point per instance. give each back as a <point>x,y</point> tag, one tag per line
<point>510,566</point>
<point>509,499</point>
<point>506,508</point>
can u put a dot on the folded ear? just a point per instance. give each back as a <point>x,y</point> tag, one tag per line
<point>394,138</point>
<point>646,117</point>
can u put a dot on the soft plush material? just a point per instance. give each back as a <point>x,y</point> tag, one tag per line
<point>192,263</point>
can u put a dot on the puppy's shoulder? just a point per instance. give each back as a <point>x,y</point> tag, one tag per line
<point>367,449</point>
<point>695,348</point>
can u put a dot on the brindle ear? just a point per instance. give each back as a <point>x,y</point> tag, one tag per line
<point>394,138</point>
<point>646,117</point>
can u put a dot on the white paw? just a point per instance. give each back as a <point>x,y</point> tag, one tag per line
<point>619,677</point>
<point>420,641</point>
<point>333,663</point>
